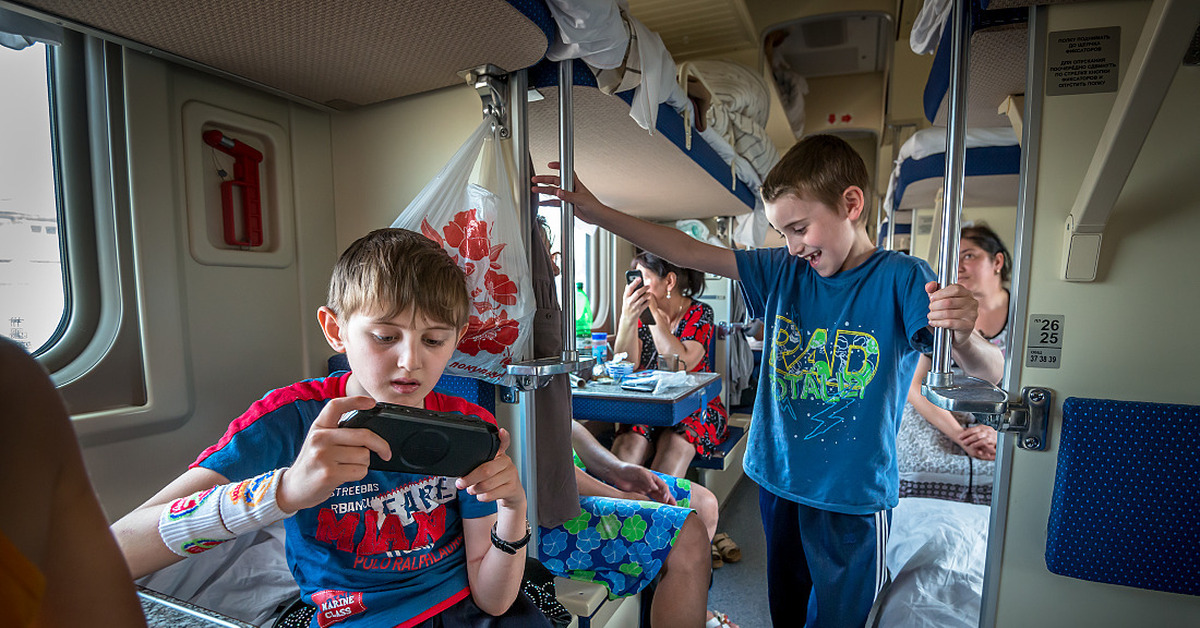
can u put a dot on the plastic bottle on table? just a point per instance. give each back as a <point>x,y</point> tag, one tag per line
<point>583,312</point>
<point>599,346</point>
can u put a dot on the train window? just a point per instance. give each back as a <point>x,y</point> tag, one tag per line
<point>33,297</point>
<point>584,248</point>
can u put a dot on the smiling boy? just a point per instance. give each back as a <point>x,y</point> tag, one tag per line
<point>846,323</point>
<point>368,548</point>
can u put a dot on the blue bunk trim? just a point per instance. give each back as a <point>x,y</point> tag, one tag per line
<point>669,123</point>
<point>539,13</point>
<point>982,160</point>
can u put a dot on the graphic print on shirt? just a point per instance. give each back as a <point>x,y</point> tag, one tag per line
<point>334,606</point>
<point>395,530</point>
<point>832,367</point>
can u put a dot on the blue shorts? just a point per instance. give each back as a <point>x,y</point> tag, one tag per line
<point>824,568</point>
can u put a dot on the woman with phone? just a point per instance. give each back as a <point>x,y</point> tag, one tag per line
<point>661,317</point>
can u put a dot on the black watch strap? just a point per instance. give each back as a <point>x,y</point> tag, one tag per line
<point>510,547</point>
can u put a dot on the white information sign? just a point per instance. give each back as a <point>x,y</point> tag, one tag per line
<point>1043,346</point>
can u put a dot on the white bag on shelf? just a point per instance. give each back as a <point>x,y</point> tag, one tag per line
<point>469,209</point>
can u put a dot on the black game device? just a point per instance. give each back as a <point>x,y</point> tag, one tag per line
<point>647,318</point>
<point>425,441</point>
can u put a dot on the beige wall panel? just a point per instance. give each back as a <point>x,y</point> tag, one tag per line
<point>384,155</point>
<point>247,329</point>
<point>1126,336</point>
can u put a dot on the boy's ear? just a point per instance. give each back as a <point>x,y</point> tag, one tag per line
<point>854,201</point>
<point>331,327</point>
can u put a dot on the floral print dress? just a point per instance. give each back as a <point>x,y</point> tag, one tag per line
<point>620,543</point>
<point>705,429</point>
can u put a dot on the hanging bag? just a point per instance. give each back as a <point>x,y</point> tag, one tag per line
<point>468,208</point>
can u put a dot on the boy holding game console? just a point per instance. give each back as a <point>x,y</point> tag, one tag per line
<point>367,547</point>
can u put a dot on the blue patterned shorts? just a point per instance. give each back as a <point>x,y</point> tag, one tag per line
<point>620,543</point>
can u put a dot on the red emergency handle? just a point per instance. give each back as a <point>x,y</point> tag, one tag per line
<point>245,178</point>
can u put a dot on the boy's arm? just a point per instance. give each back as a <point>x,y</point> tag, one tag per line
<point>137,532</point>
<point>670,244</point>
<point>954,308</point>
<point>493,574</point>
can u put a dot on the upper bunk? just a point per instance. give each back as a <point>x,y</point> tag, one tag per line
<point>999,50</point>
<point>992,169</point>
<point>332,55</point>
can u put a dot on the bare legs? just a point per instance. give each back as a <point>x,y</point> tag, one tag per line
<point>684,579</point>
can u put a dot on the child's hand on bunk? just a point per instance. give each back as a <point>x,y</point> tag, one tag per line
<point>636,479</point>
<point>330,456</point>
<point>585,202</point>
<point>979,441</point>
<point>496,480</point>
<point>953,308</point>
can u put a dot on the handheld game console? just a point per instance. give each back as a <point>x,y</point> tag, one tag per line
<point>427,442</point>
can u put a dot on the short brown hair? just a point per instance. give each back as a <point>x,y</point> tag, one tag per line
<point>395,269</point>
<point>821,166</point>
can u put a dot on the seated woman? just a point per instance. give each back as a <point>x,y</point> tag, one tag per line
<point>682,327</point>
<point>932,441</point>
<point>634,526</point>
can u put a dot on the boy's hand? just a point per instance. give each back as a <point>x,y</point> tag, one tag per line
<point>953,308</point>
<point>496,480</point>
<point>634,478</point>
<point>330,456</point>
<point>548,184</point>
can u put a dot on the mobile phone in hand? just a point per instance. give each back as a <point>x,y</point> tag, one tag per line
<point>646,317</point>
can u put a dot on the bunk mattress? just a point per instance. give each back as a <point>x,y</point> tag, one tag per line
<point>649,175</point>
<point>992,170</point>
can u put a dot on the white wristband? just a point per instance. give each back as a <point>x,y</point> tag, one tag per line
<point>250,504</point>
<point>201,521</point>
<point>192,524</point>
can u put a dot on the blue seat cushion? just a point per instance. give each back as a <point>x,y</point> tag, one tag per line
<point>1126,504</point>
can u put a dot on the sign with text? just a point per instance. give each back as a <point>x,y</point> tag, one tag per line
<point>1044,343</point>
<point>1085,61</point>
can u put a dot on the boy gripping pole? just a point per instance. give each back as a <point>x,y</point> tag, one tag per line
<point>846,323</point>
<point>368,548</point>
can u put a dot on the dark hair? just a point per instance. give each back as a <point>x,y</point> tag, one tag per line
<point>689,280</point>
<point>821,166</point>
<point>986,239</point>
<point>393,269</point>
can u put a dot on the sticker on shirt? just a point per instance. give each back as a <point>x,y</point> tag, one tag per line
<point>334,606</point>
<point>396,530</point>
<point>832,367</point>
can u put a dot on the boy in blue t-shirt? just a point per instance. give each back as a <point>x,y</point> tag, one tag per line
<point>845,325</point>
<point>368,548</point>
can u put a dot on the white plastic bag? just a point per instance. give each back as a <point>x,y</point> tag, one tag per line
<point>473,215</point>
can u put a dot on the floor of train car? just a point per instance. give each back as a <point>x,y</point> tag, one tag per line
<point>740,589</point>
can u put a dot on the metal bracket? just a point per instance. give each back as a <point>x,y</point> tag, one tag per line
<point>534,374</point>
<point>1029,417</point>
<point>491,83</point>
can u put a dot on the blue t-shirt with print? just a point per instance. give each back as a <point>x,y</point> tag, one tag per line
<point>838,358</point>
<point>381,552</point>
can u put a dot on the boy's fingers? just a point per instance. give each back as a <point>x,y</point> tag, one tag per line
<point>333,411</point>
<point>505,440</point>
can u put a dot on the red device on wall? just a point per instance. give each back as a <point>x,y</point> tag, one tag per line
<point>245,177</point>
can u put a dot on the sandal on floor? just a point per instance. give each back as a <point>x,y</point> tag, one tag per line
<point>718,562</point>
<point>719,620</point>
<point>730,552</point>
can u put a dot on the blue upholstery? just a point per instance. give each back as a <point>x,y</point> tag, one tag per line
<point>476,391</point>
<point>980,161</point>
<point>1126,505</point>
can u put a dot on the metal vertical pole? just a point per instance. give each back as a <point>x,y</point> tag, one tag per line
<point>518,87</point>
<point>956,128</point>
<point>566,168</point>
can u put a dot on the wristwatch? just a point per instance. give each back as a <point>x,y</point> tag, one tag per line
<point>510,547</point>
